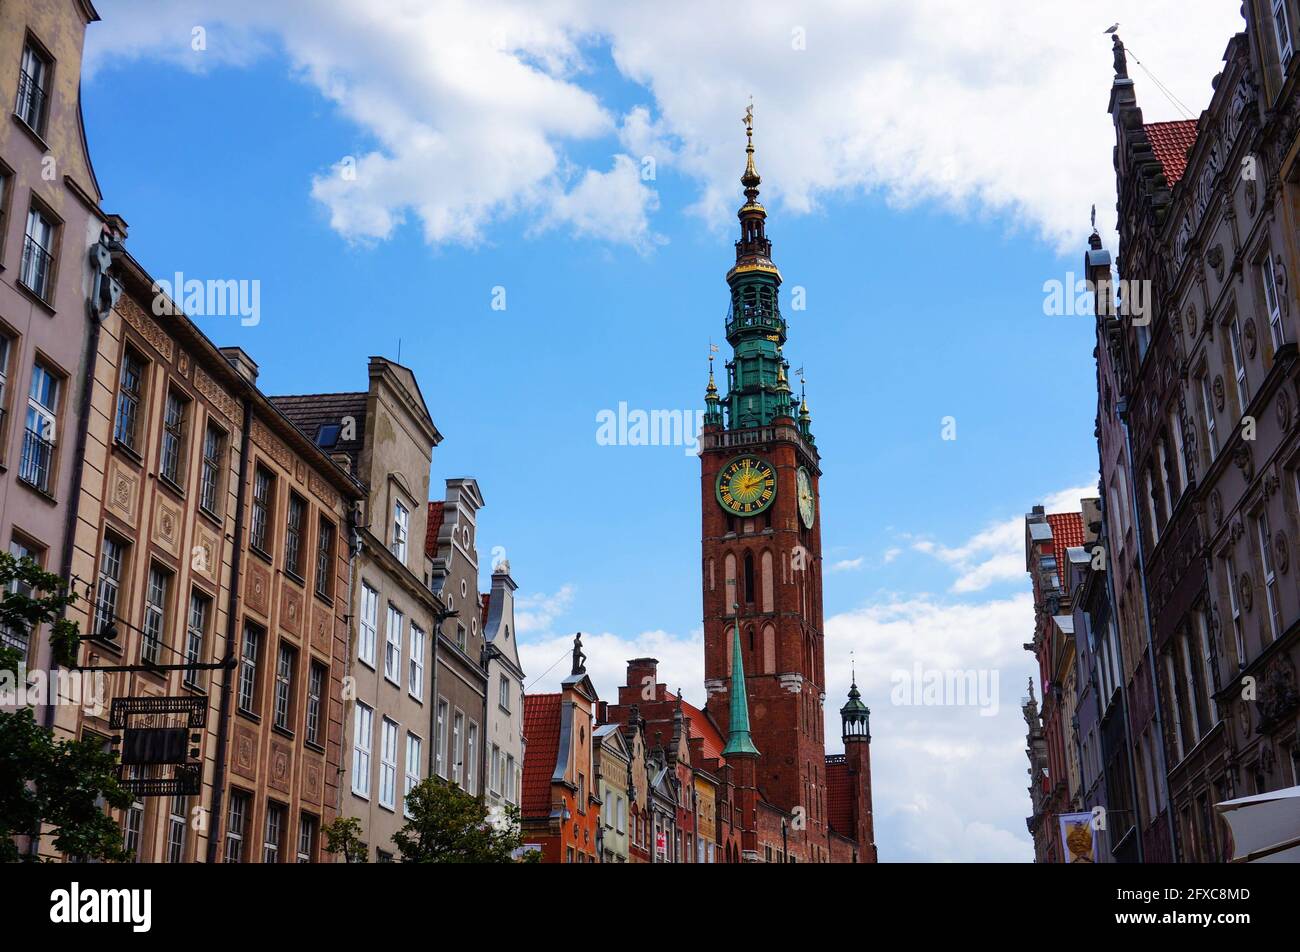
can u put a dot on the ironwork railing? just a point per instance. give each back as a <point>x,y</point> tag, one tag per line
<point>37,266</point>
<point>31,101</point>
<point>38,457</point>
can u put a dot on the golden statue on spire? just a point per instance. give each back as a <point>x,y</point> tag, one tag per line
<point>751,178</point>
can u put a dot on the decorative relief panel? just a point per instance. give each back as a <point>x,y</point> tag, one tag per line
<point>257,588</point>
<point>167,526</point>
<point>291,609</point>
<point>273,448</point>
<point>321,630</point>
<point>313,780</point>
<point>244,761</point>
<point>123,492</point>
<point>205,554</point>
<point>218,396</point>
<point>279,766</point>
<point>323,491</point>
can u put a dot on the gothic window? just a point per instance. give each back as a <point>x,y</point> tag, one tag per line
<point>767,581</point>
<point>749,577</point>
<point>731,593</point>
<point>769,649</point>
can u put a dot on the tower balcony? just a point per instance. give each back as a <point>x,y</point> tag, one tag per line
<point>767,320</point>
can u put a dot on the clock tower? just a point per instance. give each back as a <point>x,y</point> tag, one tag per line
<point>761,538</point>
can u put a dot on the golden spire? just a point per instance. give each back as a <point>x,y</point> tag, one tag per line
<point>712,389</point>
<point>750,179</point>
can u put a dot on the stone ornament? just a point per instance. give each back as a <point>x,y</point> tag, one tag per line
<point>1248,333</point>
<point>1216,508</point>
<point>1244,592</point>
<point>1282,551</point>
<point>1218,392</point>
<point>1191,322</point>
<point>1284,409</point>
<point>1280,276</point>
<point>1214,258</point>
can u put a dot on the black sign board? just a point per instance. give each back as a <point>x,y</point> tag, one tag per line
<point>159,734</point>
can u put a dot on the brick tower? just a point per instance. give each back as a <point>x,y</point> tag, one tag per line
<point>761,539</point>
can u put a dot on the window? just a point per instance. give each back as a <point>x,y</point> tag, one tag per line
<point>1282,32</point>
<point>236,817</point>
<point>130,384</point>
<point>471,759</point>
<point>415,676</point>
<point>510,779</point>
<point>177,825</point>
<point>1151,508</point>
<point>1176,437</point>
<point>388,764</point>
<point>1165,481</point>
<point>173,438</point>
<point>315,693</point>
<point>1235,605</point>
<point>39,438</point>
<point>1207,410</point>
<point>1238,364</point>
<point>214,441</point>
<point>440,742</point>
<point>248,661</point>
<point>194,632</point>
<point>367,623</point>
<point>503,692</point>
<point>293,535</point>
<point>1270,579</point>
<point>37,270</point>
<point>307,827</point>
<point>285,665</point>
<point>274,833</point>
<point>155,615</point>
<point>494,770</point>
<point>325,559</point>
<point>110,585</point>
<point>620,816</point>
<point>14,637</point>
<point>414,755</point>
<point>1273,302</point>
<point>263,490</point>
<point>6,346</point>
<point>401,527</point>
<point>33,86</point>
<point>457,752</point>
<point>460,636</point>
<point>362,731</point>
<point>393,646</point>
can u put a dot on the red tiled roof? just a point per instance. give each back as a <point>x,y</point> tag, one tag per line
<point>1067,533</point>
<point>704,728</point>
<point>542,728</point>
<point>435,524</point>
<point>839,797</point>
<point>1171,140</point>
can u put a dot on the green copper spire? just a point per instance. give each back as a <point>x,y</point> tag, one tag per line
<point>713,409</point>
<point>739,742</point>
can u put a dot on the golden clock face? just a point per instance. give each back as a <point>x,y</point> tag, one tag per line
<point>807,504</point>
<point>746,486</point>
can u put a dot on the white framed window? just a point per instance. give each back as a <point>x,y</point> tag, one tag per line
<point>214,444</point>
<point>1151,508</point>
<point>173,438</point>
<point>511,779</point>
<point>471,759</point>
<point>1207,412</point>
<point>1270,578</point>
<point>440,741</point>
<point>111,561</point>
<point>414,758</point>
<point>155,615</point>
<point>1273,301</point>
<point>363,725</point>
<point>457,748</point>
<point>494,770</point>
<point>1238,364</point>
<point>274,835</point>
<point>393,646</point>
<point>236,817</point>
<point>1282,32</point>
<point>248,663</point>
<point>286,664</point>
<point>1163,460</point>
<point>130,388</point>
<point>178,823</point>
<point>503,692</point>
<point>40,437</point>
<point>33,88</point>
<point>195,631</point>
<point>307,826</point>
<point>37,271</point>
<point>1173,697</point>
<point>1176,435</point>
<point>132,828</point>
<point>388,764</point>
<point>1234,603</point>
<point>367,623</point>
<point>415,674</point>
<point>259,533</point>
<point>401,530</point>
<point>315,698</point>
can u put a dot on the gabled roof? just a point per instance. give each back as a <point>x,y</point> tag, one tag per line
<point>702,726</point>
<point>542,728</point>
<point>1067,533</point>
<point>839,796</point>
<point>1170,142</point>
<point>435,524</point>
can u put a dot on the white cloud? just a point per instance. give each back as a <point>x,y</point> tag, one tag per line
<point>848,565</point>
<point>996,107</point>
<point>536,613</point>
<point>547,660</point>
<point>997,553</point>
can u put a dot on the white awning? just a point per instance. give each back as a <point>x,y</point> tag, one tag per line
<point>1265,827</point>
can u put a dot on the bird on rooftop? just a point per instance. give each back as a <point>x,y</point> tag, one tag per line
<point>1114,28</point>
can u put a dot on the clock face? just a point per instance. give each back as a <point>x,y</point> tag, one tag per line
<point>746,486</point>
<point>807,504</point>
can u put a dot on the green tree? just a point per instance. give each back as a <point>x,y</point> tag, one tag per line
<point>344,836</point>
<point>64,785</point>
<point>447,825</point>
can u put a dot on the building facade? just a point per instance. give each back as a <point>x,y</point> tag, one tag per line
<point>205,583</point>
<point>504,740</point>
<point>384,436</point>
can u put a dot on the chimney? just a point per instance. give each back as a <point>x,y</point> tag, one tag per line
<point>602,712</point>
<point>642,672</point>
<point>246,366</point>
<point>117,226</point>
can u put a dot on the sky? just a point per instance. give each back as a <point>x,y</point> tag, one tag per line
<point>532,205</point>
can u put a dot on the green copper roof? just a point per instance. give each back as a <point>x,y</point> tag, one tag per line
<point>739,741</point>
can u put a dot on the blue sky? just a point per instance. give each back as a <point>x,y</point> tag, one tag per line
<point>922,238</point>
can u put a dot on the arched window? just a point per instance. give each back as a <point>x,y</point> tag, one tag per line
<point>749,577</point>
<point>767,582</point>
<point>769,649</point>
<point>730,593</point>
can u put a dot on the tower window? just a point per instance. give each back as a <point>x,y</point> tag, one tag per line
<point>749,577</point>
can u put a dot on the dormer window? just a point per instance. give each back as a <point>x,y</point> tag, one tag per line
<point>401,528</point>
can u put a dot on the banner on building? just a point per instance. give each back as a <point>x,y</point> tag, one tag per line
<point>1078,839</point>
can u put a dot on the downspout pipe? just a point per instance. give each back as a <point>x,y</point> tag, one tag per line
<point>232,631</point>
